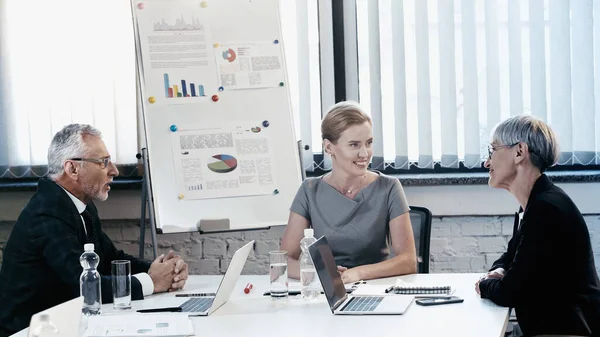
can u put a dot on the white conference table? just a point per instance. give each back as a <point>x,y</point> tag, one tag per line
<point>256,315</point>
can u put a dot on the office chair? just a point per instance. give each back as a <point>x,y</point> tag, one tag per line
<point>420,218</point>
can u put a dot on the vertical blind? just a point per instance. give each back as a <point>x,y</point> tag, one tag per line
<point>435,75</point>
<point>76,66</point>
<point>64,61</point>
<point>438,75</point>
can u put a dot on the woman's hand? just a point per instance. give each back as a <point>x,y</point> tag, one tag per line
<point>350,275</point>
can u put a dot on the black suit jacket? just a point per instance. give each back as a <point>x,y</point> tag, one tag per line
<point>550,278</point>
<point>40,266</point>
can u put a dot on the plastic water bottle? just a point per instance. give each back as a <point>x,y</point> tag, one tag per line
<point>90,281</point>
<point>45,328</point>
<point>308,275</point>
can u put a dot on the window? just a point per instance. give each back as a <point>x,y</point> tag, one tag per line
<point>75,66</point>
<point>64,62</point>
<point>436,76</point>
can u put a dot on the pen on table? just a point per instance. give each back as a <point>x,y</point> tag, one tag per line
<point>387,290</point>
<point>248,288</point>
<point>195,295</point>
<point>167,309</point>
<point>290,293</point>
<point>298,292</point>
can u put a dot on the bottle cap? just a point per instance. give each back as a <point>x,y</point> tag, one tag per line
<point>44,317</point>
<point>309,233</point>
<point>88,247</point>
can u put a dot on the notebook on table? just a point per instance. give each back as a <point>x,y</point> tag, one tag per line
<point>406,288</point>
<point>340,302</point>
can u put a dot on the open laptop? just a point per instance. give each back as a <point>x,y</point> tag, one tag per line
<point>340,302</point>
<point>206,305</point>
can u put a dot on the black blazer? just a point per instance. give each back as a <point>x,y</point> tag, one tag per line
<point>550,278</point>
<point>40,266</point>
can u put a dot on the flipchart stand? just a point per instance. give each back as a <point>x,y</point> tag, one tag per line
<point>147,200</point>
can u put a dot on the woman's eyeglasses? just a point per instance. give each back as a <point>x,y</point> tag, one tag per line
<point>493,148</point>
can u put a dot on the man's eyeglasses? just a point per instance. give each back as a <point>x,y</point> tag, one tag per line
<point>102,161</point>
<point>493,148</point>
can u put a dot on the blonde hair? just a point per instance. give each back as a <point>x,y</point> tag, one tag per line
<point>340,117</point>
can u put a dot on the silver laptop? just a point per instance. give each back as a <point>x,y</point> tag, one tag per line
<point>340,302</point>
<point>206,305</point>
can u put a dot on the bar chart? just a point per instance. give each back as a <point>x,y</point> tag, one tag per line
<point>183,88</point>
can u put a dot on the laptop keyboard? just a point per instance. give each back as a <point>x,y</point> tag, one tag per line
<point>362,304</point>
<point>199,304</point>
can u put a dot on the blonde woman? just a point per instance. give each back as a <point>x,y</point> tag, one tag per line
<point>358,210</point>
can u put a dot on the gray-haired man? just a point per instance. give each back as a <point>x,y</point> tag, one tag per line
<point>40,266</point>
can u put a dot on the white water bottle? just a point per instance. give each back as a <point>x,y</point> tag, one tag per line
<point>45,328</point>
<point>308,275</point>
<point>89,281</point>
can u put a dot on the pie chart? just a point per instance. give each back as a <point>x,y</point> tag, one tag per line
<point>229,55</point>
<point>222,163</point>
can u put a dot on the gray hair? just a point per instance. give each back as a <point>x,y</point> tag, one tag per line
<point>534,132</point>
<point>68,143</point>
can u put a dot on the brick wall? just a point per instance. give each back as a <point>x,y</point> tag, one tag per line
<point>458,244</point>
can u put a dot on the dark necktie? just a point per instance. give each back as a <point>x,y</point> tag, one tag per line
<point>89,226</point>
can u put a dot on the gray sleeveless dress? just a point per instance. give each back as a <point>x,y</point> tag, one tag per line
<point>357,230</point>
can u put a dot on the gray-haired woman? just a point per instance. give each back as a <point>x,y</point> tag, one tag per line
<point>548,273</point>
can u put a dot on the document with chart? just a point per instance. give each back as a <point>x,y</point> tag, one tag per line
<point>178,63</point>
<point>223,161</point>
<point>249,65</point>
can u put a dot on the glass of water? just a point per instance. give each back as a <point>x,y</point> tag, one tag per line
<point>278,274</point>
<point>121,284</point>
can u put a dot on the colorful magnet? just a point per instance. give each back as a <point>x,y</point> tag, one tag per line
<point>281,84</point>
<point>141,5</point>
<point>215,98</point>
<point>204,4</point>
<point>255,129</point>
<point>173,128</point>
<point>275,41</point>
<point>151,99</point>
<point>276,191</point>
<point>221,88</point>
<point>181,196</point>
<point>265,124</point>
<point>215,45</point>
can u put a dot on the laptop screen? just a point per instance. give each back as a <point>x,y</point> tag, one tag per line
<point>327,270</point>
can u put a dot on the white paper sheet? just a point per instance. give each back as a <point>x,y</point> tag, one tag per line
<point>249,65</point>
<point>175,39</point>
<point>139,325</point>
<point>223,161</point>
